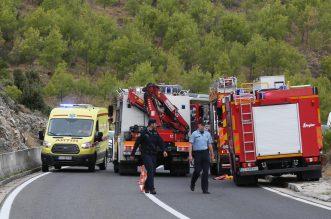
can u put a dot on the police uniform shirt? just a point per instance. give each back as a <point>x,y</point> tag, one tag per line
<point>200,141</point>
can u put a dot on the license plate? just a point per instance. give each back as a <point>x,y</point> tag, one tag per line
<point>249,169</point>
<point>64,158</point>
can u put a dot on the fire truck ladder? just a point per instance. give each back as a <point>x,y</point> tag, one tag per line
<point>246,111</point>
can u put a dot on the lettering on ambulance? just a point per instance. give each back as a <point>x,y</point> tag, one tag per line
<point>67,140</point>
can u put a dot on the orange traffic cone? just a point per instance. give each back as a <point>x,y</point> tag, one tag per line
<point>142,179</point>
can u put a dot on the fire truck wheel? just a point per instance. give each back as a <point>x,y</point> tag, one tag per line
<point>115,164</point>
<point>314,175</point>
<point>214,170</point>
<point>245,180</point>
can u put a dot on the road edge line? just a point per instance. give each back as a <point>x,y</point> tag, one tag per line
<point>296,198</point>
<point>166,207</point>
<point>7,204</point>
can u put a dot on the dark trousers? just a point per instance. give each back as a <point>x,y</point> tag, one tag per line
<point>201,162</point>
<point>150,165</point>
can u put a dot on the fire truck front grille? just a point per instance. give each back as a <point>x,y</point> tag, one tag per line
<point>65,149</point>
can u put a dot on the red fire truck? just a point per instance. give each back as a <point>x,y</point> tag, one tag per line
<point>274,129</point>
<point>222,88</point>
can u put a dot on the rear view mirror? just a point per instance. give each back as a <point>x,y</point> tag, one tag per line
<point>99,136</point>
<point>41,135</point>
<point>110,110</point>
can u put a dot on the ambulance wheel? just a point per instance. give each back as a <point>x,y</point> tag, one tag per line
<point>44,168</point>
<point>103,165</point>
<point>91,168</point>
<point>57,167</point>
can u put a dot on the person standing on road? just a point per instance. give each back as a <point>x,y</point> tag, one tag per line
<point>150,144</point>
<point>202,151</point>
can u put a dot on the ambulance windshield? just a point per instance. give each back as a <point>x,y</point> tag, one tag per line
<point>70,127</point>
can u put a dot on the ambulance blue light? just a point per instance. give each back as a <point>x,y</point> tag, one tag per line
<point>67,105</point>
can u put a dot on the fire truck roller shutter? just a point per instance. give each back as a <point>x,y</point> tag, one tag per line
<point>277,129</point>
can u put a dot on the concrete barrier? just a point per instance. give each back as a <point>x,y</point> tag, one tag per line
<point>19,161</point>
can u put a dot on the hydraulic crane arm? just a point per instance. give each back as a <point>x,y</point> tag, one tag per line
<point>170,114</point>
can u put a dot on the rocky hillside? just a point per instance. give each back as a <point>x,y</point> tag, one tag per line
<point>18,126</point>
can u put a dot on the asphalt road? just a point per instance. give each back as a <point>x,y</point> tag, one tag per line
<point>76,193</point>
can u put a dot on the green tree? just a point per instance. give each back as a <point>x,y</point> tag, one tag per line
<point>54,49</point>
<point>107,84</point>
<point>13,92</point>
<point>326,66</point>
<point>234,27</point>
<point>2,40</point>
<point>173,71</point>
<point>142,75</point>
<point>182,36</point>
<point>196,81</point>
<point>83,86</point>
<point>32,95</point>
<point>106,2</point>
<point>26,49</point>
<point>271,21</point>
<point>210,52</point>
<point>19,79</point>
<point>271,57</point>
<point>126,52</point>
<point>8,21</point>
<point>61,83</point>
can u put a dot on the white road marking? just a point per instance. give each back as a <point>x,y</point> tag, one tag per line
<point>160,167</point>
<point>296,198</point>
<point>5,210</point>
<point>6,207</point>
<point>166,207</point>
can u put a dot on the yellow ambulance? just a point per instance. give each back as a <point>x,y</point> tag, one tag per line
<point>76,135</point>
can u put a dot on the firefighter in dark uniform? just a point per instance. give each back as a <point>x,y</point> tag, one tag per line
<point>202,151</point>
<point>150,144</point>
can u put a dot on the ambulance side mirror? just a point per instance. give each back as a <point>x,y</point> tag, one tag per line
<point>110,110</point>
<point>99,136</point>
<point>41,135</point>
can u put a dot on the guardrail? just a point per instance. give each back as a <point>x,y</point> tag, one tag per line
<point>19,161</point>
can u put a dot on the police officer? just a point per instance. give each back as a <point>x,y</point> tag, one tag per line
<point>202,151</point>
<point>150,143</point>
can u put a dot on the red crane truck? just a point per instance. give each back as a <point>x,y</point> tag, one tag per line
<point>170,109</point>
<point>274,130</point>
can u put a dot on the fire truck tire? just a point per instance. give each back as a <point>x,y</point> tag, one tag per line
<point>213,169</point>
<point>179,168</point>
<point>314,175</point>
<point>125,168</point>
<point>245,180</point>
<point>115,166</point>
